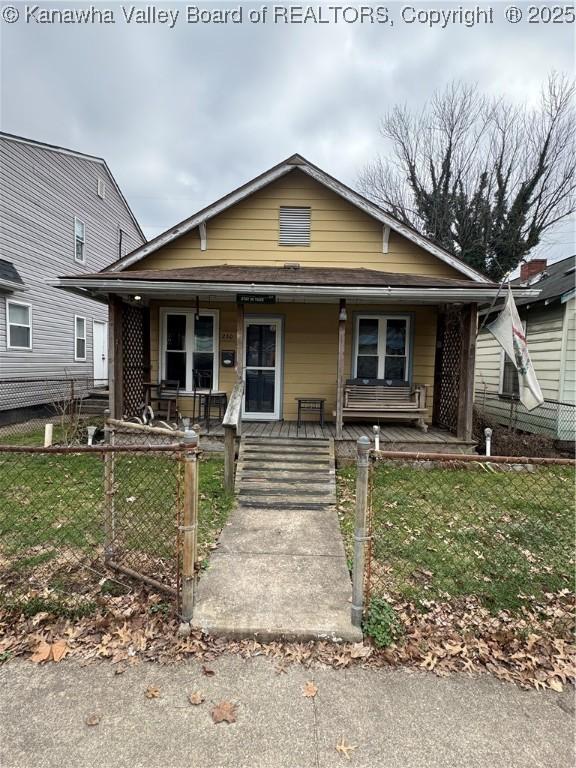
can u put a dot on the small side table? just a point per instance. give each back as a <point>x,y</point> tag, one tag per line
<point>310,405</point>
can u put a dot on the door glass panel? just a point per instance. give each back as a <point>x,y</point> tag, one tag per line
<point>261,346</point>
<point>260,391</point>
<point>176,332</point>
<point>368,336</point>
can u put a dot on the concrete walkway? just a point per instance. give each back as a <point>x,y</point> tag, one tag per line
<point>280,569</point>
<point>395,719</point>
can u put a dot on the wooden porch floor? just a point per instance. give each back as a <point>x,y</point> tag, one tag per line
<point>389,435</point>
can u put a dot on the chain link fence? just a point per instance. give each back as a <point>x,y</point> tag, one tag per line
<point>70,404</point>
<point>499,531</point>
<point>553,419</point>
<point>81,520</point>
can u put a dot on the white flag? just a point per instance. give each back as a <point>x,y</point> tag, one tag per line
<point>509,333</point>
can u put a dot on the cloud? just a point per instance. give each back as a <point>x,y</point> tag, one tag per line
<point>182,116</point>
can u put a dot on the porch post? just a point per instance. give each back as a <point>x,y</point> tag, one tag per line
<point>467,362</point>
<point>340,369</point>
<point>115,357</point>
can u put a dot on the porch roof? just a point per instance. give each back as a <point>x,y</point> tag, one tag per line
<point>289,283</point>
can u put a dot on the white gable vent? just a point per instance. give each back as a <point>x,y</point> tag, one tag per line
<point>294,225</point>
<point>101,188</point>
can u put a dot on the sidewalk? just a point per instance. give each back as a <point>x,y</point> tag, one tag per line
<point>280,569</point>
<point>397,719</point>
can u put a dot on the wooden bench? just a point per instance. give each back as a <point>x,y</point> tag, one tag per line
<point>375,400</point>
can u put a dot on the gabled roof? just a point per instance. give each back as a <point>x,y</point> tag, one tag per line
<point>557,281</point>
<point>299,162</point>
<point>82,156</point>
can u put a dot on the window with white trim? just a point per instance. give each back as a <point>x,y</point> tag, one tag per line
<point>19,324</point>
<point>79,338</point>
<point>79,241</point>
<point>294,225</point>
<point>189,348</point>
<point>382,348</point>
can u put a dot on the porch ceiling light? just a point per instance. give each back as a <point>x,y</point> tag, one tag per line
<point>137,298</point>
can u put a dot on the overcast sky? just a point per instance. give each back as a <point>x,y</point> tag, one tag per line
<point>184,115</point>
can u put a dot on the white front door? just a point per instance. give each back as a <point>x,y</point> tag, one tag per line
<point>100,352</point>
<point>262,368</point>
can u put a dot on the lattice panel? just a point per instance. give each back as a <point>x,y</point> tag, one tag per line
<point>448,368</point>
<point>134,356</point>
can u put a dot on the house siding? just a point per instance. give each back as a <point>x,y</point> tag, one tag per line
<point>341,236</point>
<point>310,349</point>
<point>42,191</point>
<point>545,335</point>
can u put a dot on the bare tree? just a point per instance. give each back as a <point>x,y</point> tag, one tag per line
<point>482,178</point>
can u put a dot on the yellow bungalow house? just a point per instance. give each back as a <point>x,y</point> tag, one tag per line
<point>298,288</point>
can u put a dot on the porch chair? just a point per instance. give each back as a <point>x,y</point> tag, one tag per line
<point>165,404</point>
<point>207,398</point>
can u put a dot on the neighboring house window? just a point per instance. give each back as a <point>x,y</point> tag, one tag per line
<point>509,386</point>
<point>79,338</point>
<point>79,241</point>
<point>189,351</point>
<point>101,188</point>
<point>382,347</point>
<point>19,323</point>
<point>294,225</point>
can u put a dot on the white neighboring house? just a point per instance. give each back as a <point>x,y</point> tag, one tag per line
<point>550,326</point>
<point>61,212</point>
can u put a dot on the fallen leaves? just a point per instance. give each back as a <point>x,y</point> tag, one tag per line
<point>225,711</point>
<point>310,689</point>
<point>196,698</point>
<point>152,692</point>
<point>49,651</point>
<point>207,672</point>
<point>344,748</point>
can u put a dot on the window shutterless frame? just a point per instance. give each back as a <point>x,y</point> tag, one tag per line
<point>79,241</point>
<point>189,344</point>
<point>505,361</point>
<point>381,352</point>
<point>79,338</point>
<point>11,323</point>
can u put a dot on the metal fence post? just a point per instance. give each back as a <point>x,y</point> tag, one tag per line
<point>189,527</point>
<point>360,532</point>
<point>109,493</point>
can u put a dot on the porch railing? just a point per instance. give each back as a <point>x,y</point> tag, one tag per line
<point>232,427</point>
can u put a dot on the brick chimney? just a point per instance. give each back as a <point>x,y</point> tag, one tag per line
<point>530,269</point>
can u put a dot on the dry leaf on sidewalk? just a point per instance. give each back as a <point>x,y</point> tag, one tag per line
<point>225,711</point>
<point>93,719</point>
<point>360,651</point>
<point>196,698</point>
<point>207,672</point>
<point>152,693</point>
<point>344,748</point>
<point>49,651</point>
<point>310,689</point>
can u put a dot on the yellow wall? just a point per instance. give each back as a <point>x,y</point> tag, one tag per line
<point>311,347</point>
<point>341,236</point>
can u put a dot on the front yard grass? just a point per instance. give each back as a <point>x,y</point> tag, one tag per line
<point>504,538</point>
<point>55,503</point>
